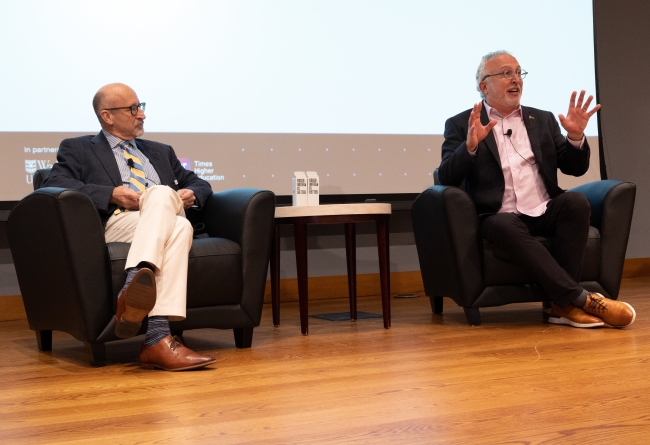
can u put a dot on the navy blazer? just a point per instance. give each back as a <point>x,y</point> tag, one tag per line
<point>482,173</point>
<point>87,164</point>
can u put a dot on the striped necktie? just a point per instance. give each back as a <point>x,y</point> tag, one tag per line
<point>137,182</point>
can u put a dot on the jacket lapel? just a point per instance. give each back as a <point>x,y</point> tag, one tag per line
<point>155,159</point>
<point>103,151</point>
<point>489,139</point>
<point>530,121</point>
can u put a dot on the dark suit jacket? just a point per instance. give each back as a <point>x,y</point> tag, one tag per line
<point>87,164</point>
<point>482,173</point>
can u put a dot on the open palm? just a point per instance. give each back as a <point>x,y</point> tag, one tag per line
<point>577,117</point>
<point>476,131</point>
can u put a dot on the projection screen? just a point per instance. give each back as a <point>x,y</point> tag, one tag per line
<point>247,92</point>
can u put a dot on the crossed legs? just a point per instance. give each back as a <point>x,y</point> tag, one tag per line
<point>567,219</point>
<point>161,238</point>
<point>558,273</point>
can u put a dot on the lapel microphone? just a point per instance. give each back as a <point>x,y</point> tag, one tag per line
<point>508,133</point>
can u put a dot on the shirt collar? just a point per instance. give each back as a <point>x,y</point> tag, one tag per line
<point>114,141</point>
<point>490,111</point>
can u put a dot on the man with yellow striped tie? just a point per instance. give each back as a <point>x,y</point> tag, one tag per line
<point>140,190</point>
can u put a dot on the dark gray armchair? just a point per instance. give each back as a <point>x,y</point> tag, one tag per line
<point>456,262</point>
<point>69,276</point>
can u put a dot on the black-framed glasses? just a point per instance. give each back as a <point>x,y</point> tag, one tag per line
<point>132,108</point>
<point>507,74</point>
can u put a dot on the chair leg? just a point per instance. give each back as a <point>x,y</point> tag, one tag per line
<point>473,316</point>
<point>96,353</point>
<point>243,337</point>
<point>436,304</point>
<point>44,340</point>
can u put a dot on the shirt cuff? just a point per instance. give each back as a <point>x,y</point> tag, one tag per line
<point>576,144</point>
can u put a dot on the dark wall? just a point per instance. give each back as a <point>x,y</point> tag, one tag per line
<point>622,44</point>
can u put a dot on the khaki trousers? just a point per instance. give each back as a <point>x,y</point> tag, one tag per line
<point>159,234</point>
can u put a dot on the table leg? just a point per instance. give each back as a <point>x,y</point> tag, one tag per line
<point>384,266</point>
<point>300,239</point>
<point>351,257</point>
<point>275,275</point>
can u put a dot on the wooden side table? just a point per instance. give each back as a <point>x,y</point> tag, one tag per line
<point>348,214</point>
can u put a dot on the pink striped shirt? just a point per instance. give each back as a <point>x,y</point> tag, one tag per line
<point>525,191</point>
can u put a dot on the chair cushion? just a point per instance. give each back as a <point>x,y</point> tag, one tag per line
<point>500,269</point>
<point>214,271</point>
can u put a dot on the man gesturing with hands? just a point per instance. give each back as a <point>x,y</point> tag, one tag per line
<point>508,156</point>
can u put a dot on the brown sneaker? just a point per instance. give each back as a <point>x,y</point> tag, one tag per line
<point>573,316</point>
<point>615,313</point>
<point>170,354</point>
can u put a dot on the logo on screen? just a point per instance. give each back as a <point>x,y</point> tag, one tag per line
<point>30,166</point>
<point>186,163</point>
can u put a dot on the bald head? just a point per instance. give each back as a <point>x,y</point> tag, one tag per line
<point>108,95</point>
<point>111,104</point>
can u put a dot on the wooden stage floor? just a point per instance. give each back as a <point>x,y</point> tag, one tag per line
<point>430,379</point>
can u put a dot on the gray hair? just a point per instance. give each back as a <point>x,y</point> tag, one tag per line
<point>481,67</point>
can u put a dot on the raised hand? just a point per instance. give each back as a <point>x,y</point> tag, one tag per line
<point>577,117</point>
<point>476,131</point>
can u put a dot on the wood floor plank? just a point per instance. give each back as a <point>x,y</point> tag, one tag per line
<point>430,379</point>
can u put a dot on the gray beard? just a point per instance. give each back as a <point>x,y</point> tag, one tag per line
<point>509,102</point>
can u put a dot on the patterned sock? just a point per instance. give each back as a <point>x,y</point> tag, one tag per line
<point>157,329</point>
<point>130,273</point>
<point>581,299</point>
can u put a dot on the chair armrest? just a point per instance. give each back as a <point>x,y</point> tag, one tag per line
<point>57,243</point>
<point>244,216</point>
<point>445,225</point>
<point>39,177</point>
<point>617,196</point>
<point>612,207</point>
<point>227,214</point>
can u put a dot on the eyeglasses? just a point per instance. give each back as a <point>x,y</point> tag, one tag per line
<point>133,108</point>
<point>508,74</point>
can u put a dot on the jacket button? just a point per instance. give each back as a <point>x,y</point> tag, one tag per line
<point>501,189</point>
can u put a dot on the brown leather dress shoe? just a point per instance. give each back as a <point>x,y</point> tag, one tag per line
<point>615,313</point>
<point>135,302</point>
<point>573,316</point>
<point>170,354</point>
